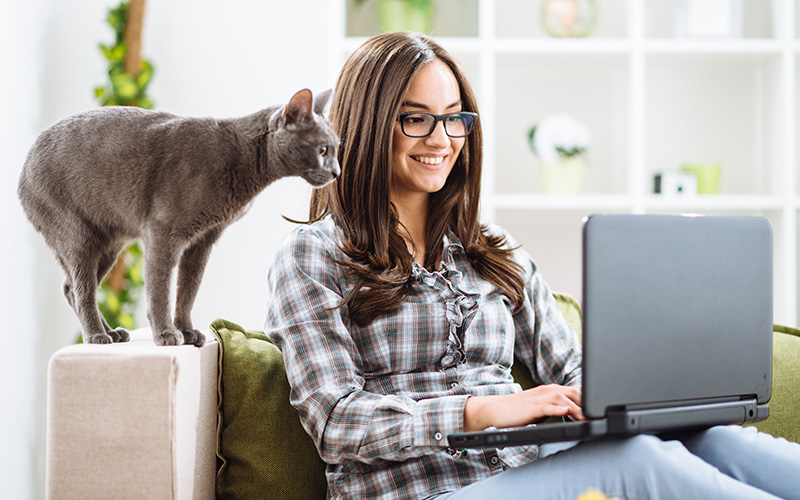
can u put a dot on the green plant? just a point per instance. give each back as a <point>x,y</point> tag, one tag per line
<point>124,88</point>
<point>403,15</point>
<point>121,289</point>
<point>559,136</point>
<point>120,292</point>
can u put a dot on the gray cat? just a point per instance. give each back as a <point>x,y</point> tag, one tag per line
<point>99,179</point>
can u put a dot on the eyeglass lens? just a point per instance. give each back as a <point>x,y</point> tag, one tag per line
<point>422,124</point>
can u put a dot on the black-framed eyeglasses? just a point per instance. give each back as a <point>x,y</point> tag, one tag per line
<point>421,123</point>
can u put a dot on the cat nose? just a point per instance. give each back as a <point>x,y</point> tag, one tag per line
<point>336,170</point>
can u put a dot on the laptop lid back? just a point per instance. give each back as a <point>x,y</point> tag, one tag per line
<point>676,309</point>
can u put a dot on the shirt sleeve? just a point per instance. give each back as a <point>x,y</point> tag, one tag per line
<point>304,320</point>
<point>545,341</point>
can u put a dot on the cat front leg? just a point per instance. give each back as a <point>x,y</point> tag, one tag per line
<point>190,274</point>
<point>160,258</point>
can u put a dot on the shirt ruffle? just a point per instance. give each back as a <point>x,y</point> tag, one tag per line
<point>462,305</point>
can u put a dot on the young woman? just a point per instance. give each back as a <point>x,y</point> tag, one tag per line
<point>399,316</point>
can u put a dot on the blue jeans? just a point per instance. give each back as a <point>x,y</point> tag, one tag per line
<point>726,462</point>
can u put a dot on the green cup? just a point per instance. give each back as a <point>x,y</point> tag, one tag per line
<point>708,176</point>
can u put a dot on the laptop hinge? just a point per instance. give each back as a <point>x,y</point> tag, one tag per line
<point>638,420</point>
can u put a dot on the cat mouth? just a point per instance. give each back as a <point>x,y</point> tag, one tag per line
<point>319,178</point>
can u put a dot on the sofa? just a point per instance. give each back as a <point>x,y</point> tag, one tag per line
<point>136,421</point>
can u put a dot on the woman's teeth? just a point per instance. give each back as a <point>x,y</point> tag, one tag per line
<point>429,160</point>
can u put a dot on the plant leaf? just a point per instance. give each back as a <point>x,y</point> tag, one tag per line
<point>124,86</point>
<point>145,74</point>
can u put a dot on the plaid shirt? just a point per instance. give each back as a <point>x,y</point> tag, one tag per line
<point>379,400</point>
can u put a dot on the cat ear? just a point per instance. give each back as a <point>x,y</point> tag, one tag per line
<point>298,111</point>
<point>321,100</point>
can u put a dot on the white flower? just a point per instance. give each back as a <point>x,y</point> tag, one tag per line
<point>559,136</point>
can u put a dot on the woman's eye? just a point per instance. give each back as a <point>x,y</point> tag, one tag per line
<point>322,150</point>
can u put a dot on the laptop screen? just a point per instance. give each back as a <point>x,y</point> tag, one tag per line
<point>675,309</point>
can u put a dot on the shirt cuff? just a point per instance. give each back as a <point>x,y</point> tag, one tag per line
<point>435,418</point>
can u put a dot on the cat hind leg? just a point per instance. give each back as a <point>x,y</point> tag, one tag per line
<point>66,288</point>
<point>107,260</point>
<point>83,310</point>
<point>92,322</point>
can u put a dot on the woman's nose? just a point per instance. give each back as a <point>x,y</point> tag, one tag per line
<point>438,137</point>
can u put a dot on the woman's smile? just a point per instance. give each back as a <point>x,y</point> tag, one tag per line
<point>430,161</point>
<point>421,165</point>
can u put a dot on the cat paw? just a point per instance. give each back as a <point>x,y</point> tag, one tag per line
<point>119,335</point>
<point>193,337</point>
<point>97,338</point>
<point>169,337</point>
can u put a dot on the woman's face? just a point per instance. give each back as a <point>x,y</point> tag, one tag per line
<point>421,165</point>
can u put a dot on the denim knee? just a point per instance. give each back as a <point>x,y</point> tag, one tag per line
<point>642,455</point>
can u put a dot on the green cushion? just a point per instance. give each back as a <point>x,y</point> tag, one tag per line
<point>263,450</point>
<point>571,310</point>
<point>784,407</point>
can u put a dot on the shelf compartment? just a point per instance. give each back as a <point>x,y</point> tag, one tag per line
<point>523,19</point>
<point>757,19</point>
<point>592,88</point>
<point>456,18</point>
<point>721,108</point>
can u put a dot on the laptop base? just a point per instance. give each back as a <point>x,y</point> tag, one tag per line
<point>618,423</point>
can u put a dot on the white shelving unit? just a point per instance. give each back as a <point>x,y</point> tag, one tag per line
<point>653,102</point>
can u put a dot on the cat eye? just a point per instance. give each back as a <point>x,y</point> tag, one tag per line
<point>421,123</point>
<point>322,150</point>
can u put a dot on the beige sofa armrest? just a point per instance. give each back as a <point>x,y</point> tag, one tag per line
<point>132,420</point>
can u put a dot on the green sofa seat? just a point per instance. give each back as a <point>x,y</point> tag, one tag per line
<point>263,451</point>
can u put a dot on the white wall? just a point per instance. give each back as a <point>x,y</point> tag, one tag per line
<point>212,58</point>
<point>20,372</point>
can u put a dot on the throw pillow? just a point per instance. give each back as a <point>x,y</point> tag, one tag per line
<point>263,450</point>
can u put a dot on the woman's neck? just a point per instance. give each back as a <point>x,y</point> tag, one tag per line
<point>412,214</point>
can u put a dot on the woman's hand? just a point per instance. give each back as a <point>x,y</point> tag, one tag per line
<point>522,408</point>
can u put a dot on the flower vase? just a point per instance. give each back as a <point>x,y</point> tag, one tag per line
<point>569,18</point>
<point>565,176</point>
<point>405,15</point>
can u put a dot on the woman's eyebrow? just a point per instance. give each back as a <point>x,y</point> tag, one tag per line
<point>412,104</point>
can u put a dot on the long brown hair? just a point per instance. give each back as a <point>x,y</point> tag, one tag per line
<point>367,99</point>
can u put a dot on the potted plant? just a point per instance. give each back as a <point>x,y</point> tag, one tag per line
<point>404,15</point>
<point>561,142</point>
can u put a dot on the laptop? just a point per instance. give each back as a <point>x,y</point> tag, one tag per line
<point>677,329</point>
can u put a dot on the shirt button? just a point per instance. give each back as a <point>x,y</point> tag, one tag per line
<point>494,460</point>
<point>454,385</point>
<point>438,436</point>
